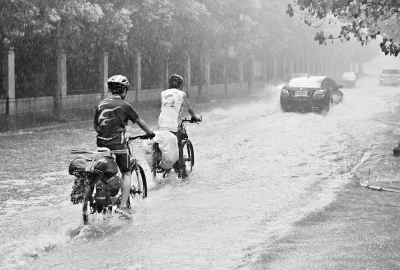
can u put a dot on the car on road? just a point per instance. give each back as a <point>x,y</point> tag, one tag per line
<point>288,77</point>
<point>348,79</point>
<point>310,94</point>
<point>389,76</point>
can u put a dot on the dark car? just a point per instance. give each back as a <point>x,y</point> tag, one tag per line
<point>389,76</point>
<point>310,94</point>
<point>348,79</point>
<point>288,77</point>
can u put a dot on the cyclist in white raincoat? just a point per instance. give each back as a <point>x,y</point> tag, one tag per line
<point>173,101</point>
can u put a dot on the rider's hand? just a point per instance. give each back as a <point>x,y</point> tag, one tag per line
<point>150,135</point>
<point>196,118</point>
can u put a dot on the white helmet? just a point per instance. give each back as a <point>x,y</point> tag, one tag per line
<point>118,83</point>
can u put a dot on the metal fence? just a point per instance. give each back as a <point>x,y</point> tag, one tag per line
<point>35,69</point>
<point>121,62</point>
<point>83,74</point>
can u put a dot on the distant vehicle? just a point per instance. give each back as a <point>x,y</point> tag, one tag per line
<point>288,77</point>
<point>310,94</point>
<point>348,79</point>
<point>389,76</point>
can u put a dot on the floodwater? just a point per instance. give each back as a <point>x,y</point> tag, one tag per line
<point>257,171</point>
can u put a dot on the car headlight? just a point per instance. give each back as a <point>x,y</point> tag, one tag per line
<point>319,94</point>
<point>284,92</point>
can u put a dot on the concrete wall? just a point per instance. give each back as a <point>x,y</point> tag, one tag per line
<point>81,101</point>
<point>26,105</point>
<point>46,104</point>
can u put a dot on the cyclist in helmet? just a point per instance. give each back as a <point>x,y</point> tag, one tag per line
<point>110,121</point>
<point>173,101</point>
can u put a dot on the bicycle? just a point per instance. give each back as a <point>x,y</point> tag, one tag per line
<point>188,153</point>
<point>90,190</point>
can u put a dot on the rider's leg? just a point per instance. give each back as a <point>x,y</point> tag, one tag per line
<point>181,162</point>
<point>178,163</point>
<point>124,166</point>
<point>125,188</point>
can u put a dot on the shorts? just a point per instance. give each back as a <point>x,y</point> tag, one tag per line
<point>123,160</point>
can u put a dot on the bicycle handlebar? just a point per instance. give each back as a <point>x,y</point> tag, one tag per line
<point>192,121</point>
<point>143,137</point>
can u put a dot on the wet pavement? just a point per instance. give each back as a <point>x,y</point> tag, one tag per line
<point>269,190</point>
<point>360,228</point>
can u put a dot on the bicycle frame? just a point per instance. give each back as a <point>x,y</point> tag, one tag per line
<point>183,124</point>
<point>185,136</point>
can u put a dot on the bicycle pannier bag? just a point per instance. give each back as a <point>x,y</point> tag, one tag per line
<point>102,197</point>
<point>113,184</point>
<point>107,166</point>
<point>77,165</point>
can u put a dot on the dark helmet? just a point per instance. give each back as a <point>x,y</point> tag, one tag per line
<point>175,81</point>
<point>117,84</point>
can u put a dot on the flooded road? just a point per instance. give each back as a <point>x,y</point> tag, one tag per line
<point>258,171</point>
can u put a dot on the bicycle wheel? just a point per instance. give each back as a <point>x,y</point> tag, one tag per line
<point>90,210</point>
<point>188,154</point>
<point>138,190</point>
<point>86,204</point>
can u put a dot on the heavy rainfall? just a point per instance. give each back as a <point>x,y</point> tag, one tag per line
<point>295,157</point>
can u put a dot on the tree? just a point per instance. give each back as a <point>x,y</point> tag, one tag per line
<point>363,19</point>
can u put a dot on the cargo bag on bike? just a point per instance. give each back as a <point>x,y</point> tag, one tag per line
<point>102,197</point>
<point>167,143</point>
<point>107,166</point>
<point>107,170</point>
<point>77,168</point>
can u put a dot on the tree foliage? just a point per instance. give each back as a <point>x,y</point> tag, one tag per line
<point>71,22</point>
<point>364,20</point>
<point>165,32</point>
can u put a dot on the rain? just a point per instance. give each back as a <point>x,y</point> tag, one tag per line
<point>273,186</point>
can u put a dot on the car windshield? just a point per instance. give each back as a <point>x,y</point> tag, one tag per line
<point>308,82</point>
<point>390,71</point>
<point>349,75</point>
